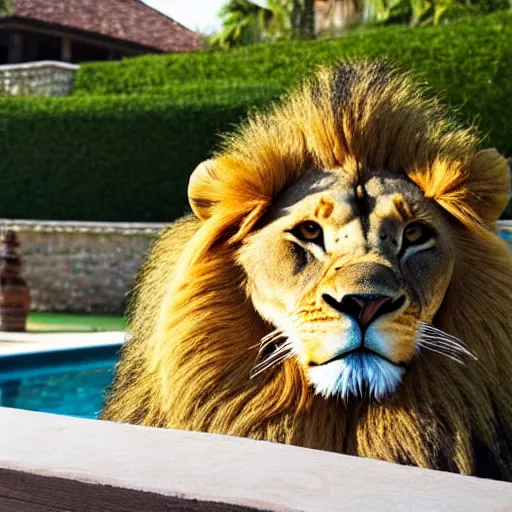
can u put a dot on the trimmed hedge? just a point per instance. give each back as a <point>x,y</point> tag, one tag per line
<point>469,62</point>
<point>122,147</point>
<point>104,158</point>
<point>430,49</point>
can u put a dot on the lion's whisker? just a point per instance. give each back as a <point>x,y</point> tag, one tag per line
<point>276,357</point>
<point>432,349</point>
<point>283,348</point>
<point>441,348</point>
<point>264,348</point>
<point>271,335</point>
<point>268,339</point>
<point>441,338</point>
<point>448,344</point>
<point>284,345</point>
<point>444,342</point>
<point>258,369</point>
<point>439,332</point>
<point>271,360</point>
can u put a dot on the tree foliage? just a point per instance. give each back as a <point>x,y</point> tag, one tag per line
<point>5,7</point>
<point>427,12</point>
<point>245,22</point>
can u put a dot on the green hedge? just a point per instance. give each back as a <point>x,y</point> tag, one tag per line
<point>122,147</point>
<point>104,158</point>
<point>440,52</point>
<point>469,62</point>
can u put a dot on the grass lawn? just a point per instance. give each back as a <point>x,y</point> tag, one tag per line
<point>62,322</point>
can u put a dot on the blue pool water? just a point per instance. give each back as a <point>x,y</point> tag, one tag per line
<point>506,235</point>
<point>70,383</point>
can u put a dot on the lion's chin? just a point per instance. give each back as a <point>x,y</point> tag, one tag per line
<point>358,374</point>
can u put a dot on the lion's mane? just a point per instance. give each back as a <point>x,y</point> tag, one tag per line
<point>195,333</point>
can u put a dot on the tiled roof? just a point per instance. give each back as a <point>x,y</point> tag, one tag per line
<point>128,20</point>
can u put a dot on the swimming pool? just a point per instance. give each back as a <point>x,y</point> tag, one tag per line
<point>69,382</point>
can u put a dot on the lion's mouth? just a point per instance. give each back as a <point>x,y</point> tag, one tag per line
<point>359,350</point>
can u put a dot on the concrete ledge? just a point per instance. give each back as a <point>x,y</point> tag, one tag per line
<point>27,343</point>
<point>55,462</point>
<point>69,226</point>
<point>40,64</point>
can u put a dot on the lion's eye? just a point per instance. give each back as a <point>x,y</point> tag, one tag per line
<point>416,234</point>
<point>309,231</point>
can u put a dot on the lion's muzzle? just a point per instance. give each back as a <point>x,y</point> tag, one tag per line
<point>367,347</point>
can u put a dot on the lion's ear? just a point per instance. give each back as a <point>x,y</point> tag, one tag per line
<point>199,189</point>
<point>489,184</point>
<point>220,187</point>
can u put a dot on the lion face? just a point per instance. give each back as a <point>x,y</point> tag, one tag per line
<point>348,273</point>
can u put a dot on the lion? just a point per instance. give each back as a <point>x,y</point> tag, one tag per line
<point>339,285</point>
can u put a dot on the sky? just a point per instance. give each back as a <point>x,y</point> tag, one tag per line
<point>200,15</point>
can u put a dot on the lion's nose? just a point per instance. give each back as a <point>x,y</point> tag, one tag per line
<point>365,308</point>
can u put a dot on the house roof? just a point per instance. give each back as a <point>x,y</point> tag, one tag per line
<point>127,20</point>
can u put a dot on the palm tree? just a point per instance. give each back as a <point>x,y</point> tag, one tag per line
<point>382,11</point>
<point>245,22</point>
<point>303,18</point>
<point>279,26</point>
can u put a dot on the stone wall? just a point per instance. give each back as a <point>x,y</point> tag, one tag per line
<point>84,267</point>
<point>43,78</point>
<point>89,267</point>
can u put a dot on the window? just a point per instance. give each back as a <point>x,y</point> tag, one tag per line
<point>81,52</point>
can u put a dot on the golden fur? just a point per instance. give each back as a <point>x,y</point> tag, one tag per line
<point>196,333</point>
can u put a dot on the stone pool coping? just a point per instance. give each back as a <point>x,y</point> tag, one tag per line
<point>28,343</point>
<point>61,463</point>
